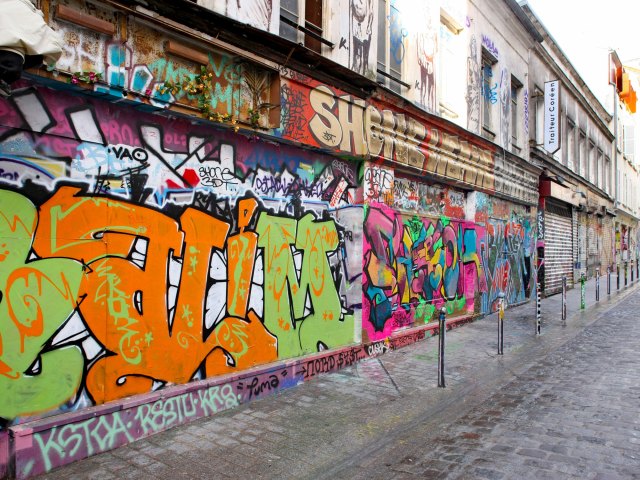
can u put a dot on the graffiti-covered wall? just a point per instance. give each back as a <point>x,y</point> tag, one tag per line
<point>427,246</point>
<point>509,252</point>
<point>176,212</point>
<point>139,252</point>
<point>414,265</point>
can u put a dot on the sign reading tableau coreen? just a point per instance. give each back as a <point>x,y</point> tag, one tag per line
<point>551,117</point>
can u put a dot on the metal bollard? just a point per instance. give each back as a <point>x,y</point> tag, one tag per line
<point>597,285</point>
<point>626,270</point>
<point>582,291</point>
<point>538,317</point>
<point>617,276</point>
<point>564,300</point>
<point>608,280</point>
<point>501,324</point>
<point>637,269</point>
<point>631,271</point>
<point>442,327</point>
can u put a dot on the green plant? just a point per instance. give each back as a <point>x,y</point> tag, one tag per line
<point>254,117</point>
<point>201,86</point>
<point>85,77</point>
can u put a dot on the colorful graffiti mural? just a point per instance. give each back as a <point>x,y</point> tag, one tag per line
<point>419,255</point>
<point>166,256</point>
<point>509,262</point>
<point>148,252</point>
<point>414,265</point>
<point>509,253</point>
<point>138,254</point>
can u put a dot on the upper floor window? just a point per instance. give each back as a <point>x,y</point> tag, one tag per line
<point>450,51</point>
<point>628,142</point>
<point>599,169</point>
<point>489,89</point>
<point>571,145</point>
<point>516,88</point>
<point>582,154</point>
<point>539,116</point>
<point>391,45</point>
<point>592,172</point>
<point>301,21</point>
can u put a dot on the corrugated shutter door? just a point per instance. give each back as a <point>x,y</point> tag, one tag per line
<point>558,251</point>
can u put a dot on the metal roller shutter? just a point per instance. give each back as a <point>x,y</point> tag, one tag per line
<point>558,247</point>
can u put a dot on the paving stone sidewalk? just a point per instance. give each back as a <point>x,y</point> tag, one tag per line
<point>564,404</point>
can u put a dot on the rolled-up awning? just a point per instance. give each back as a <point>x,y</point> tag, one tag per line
<point>24,31</point>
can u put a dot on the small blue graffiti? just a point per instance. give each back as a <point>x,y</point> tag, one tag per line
<point>397,34</point>
<point>490,92</point>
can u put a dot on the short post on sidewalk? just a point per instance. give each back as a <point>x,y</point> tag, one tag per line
<point>608,280</point>
<point>631,271</point>
<point>618,276</point>
<point>538,317</point>
<point>626,270</point>
<point>564,300</point>
<point>597,285</point>
<point>501,323</point>
<point>582,291</point>
<point>442,328</point>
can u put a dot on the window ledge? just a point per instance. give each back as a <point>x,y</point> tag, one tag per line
<point>447,110</point>
<point>487,133</point>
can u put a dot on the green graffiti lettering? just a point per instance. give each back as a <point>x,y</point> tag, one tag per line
<point>37,299</point>
<point>302,309</point>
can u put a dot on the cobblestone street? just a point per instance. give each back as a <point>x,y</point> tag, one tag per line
<point>564,404</point>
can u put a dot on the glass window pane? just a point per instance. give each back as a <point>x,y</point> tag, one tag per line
<point>289,10</point>
<point>487,92</point>
<point>382,40</point>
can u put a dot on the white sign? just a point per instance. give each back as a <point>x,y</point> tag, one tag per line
<point>552,116</point>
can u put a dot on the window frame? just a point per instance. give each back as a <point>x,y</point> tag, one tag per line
<point>488,63</point>
<point>539,117</point>
<point>386,75</point>
<point>571,145</point>
<point>306,32</point>
<point>582,154</point>
<point>591,162</point>
<point>516,92</point>
<point>599,167</point>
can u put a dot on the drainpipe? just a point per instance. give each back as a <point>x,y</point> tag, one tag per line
<point>615,141</point>
<point>615,160</point>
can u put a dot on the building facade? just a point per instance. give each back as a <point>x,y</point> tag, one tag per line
<point>206,202</point>
<point>576,206</point>
<point>624,85</point>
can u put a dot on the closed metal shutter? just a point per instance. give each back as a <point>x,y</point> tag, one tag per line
<point>558,247</point>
